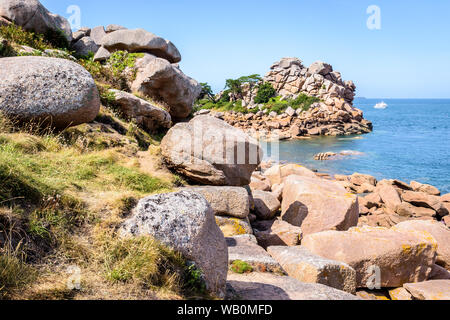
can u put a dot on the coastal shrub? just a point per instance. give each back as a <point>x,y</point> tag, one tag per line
<point>6,50</point>
<point>194,281</point>
<point>49,40</point>
<point>265,92</point>
<point>277,105</point>
<point>241,267</point>
<point>16,34</point>
<point>207,92</point>
<point>121,60</point>
<point>225,96</point>
<point>304,102</point>
<point>235,85</point>
<point>57,38</point>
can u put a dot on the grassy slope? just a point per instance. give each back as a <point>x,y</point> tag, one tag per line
<point>63,195</point>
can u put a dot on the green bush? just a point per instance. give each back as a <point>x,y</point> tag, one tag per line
<point>225,96</point>
<point>49,40</point>
<point>265,92</point>
<point>241,267</point>
<point>57,38</point>
<point>304,102</point>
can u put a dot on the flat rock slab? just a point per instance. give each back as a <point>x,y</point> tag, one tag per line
<point>400,294</point>
<point>245,248</point>
<point>430,290</point>
<point>400,256</point>
<point>439,232</point>
<point>265,286</point>
<point>304,266</point>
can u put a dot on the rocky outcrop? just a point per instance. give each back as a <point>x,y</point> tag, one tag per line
<point>33,16</point>
<point>389,202</point>
<point>48,91</point>
<point>209,151</point>
<point>185,222</point>
<point>333,115</point>
<point>317,205</point>
<point>401,256</point>
<point>163,81</point>
<point>140,40</point>
<point>142,112</point>
<point>289,77</point>
<point>306,267</point>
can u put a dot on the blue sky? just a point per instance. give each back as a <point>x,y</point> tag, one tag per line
<point>408,58</point>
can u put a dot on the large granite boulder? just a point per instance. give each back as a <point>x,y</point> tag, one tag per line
<point>140,40</point>
<point>85,46</point>
<point>226,201</point>
<point>317,205</point>
<point>33,16</point>
<point>50,91</point>
<point>185,222</point>
<point>439,232</point>
<point>163,81</point>
<point>211,152</point>
<point>145,114</point>
<point>401,256</point>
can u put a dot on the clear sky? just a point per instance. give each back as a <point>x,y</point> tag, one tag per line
<point>409,57</point>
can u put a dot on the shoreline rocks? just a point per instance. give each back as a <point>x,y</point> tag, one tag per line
<point>333,115</point>
<point>401,256</point>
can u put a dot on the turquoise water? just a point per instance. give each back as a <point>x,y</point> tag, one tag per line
<point>411,141</point>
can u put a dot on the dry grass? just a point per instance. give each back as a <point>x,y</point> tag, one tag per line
<point>64,203</point>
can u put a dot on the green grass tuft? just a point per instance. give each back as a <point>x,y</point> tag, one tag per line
<point>241,267</point>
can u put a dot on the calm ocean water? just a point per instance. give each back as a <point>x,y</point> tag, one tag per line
<point>411,141</point>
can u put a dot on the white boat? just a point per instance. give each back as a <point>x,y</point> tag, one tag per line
<point>381,105</point>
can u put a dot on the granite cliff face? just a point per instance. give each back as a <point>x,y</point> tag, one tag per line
<point>333,113</point>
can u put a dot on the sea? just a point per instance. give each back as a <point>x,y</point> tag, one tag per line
<point>410,141</point>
